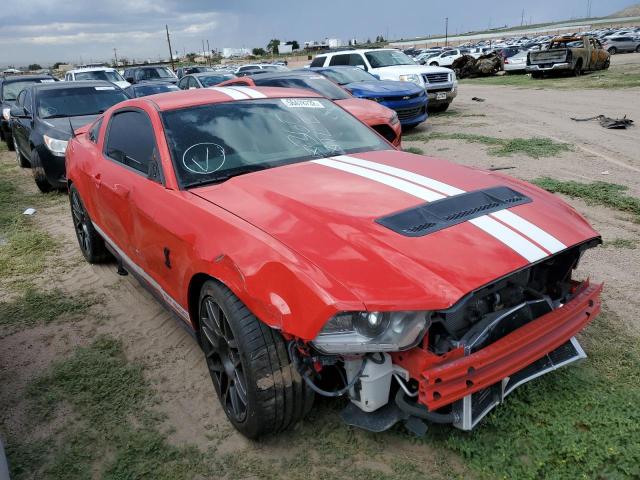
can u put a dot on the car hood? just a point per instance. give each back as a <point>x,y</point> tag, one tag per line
<point>62,127</point>
<point>328,215</point>
<point>408,69</point>
<point>382,88</point>
<point>366,111</point>
<point>122,84</point>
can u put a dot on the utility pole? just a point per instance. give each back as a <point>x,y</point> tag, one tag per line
<point>522,18</point>
<point>170,50</point>
<point>446,31</point>
<point>209,52</point>
<point>115,54</point>
<point>203,51</point>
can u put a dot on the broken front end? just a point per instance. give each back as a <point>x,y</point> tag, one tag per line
<point>452,366</point>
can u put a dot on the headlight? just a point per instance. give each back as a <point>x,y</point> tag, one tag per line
<point>360,332</point>
<point>6,113</point>
<point>55,145</point>
<point>411,78</point>
<point>452,77</point>
<point>393,119</point>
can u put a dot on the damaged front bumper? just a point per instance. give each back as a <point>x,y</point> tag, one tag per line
<point>461,387</point>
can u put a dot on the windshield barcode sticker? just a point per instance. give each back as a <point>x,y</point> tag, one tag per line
<point>47,80</point>
<point>105,88</point>
<point>301,103</point>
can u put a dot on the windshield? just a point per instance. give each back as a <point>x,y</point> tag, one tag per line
<point>11,90</point>
<point>109,76</point>
<point>212,143</point>
<point>387,58</point>
<point>342,76</point>
<point>155,72</point>
<point>317,83</point>
<point>144,90</point>
<point>211,80</point>
<point>75,102</point>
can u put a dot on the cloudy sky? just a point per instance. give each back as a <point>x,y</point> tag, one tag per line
<point>46,31</point>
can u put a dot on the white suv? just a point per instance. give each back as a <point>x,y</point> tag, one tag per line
<point>96,73</point>
<point>391,64</point>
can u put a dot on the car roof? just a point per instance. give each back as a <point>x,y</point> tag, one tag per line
<point>92,69</point>
<point>18,78</point>
<point>204,96</point>
<point>208,74</point>
<point>285,74</point>
<point>357,50</point>
<point>68,85</point>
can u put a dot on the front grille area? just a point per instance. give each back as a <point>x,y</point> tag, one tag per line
<point>409,113</point>
<point>386,131</point>
<point>436,77</point>
<point>398,98</point>
<point>474,407</point>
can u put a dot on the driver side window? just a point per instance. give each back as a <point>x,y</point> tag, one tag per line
<point>131,140</point>
<point>27,101</point>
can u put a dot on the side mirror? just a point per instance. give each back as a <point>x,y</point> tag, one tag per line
<point>19,112</point>
<point>129,79</point>
<point>375,75</point>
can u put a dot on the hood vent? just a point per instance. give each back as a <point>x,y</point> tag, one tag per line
<point>434,216</point>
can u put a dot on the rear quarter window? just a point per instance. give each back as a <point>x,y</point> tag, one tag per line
<point>318,62</point>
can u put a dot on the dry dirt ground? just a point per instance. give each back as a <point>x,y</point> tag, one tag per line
<point>174,363</point>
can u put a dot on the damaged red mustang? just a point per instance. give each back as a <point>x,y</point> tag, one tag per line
<point>309,256</point>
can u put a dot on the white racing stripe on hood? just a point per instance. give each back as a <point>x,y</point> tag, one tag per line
<point>408,187</point>
<point>508,237</point>
<point>248,91</point>
<point>230,93</point>
<point>535,233</point>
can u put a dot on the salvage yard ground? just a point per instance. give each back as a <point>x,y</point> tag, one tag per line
<point>98,381</point>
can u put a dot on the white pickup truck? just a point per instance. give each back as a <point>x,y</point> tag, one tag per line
<point>440,83</point>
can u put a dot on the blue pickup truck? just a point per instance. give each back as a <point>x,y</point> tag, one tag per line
<point>406,98</point>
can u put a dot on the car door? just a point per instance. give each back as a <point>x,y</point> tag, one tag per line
<point>128,179</point>
<point>22,125</point>
<point>183,83</point>
<point>193,83</point>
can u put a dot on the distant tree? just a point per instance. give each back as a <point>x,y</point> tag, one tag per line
<point>294,44</point>
<point>191,57</point>
<point>368,40</point>
<point>272,46</point>
<point>56,65</point>
<point>35,66</point>
<point>259,52</point>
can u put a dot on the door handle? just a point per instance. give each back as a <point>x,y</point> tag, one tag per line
<point>121,190</point>
<point>97,177</point>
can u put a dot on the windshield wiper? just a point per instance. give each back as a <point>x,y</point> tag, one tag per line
<point>230,174</point>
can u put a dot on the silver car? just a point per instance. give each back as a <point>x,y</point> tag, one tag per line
<point>622,43</point>
<point>517,62</point>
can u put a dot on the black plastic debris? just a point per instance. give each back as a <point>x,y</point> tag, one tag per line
<point>477,99</point>
<point>607,122</point>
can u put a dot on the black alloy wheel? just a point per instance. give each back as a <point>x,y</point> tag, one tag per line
<point>223,359</point>
<point>91,243</point>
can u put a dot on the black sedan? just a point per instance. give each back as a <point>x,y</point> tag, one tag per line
<point>143,89</point>
<point>10,87</point>
<point>203,80</point>
<point>44,117</point>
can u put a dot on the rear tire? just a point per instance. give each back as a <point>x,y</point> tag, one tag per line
<point>612,51</point>
<point>91,243</point>
<point>577,70</point>
<point>38,173</point>
<point>434,64</point>
<point>638,49</point>
<point>11,144</point>
<point>537,75</point>
<point>21,160</point>
<point>259,388</point>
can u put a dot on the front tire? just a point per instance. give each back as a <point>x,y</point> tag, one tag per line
<point>577,70</point>
<point>38,173</point>
<point>11,143</point>
<point>259,388</point>
<point>443,107</point>
<point>91,243</point>
<point>612,51</point>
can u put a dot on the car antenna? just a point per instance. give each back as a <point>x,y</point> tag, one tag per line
<point>73,133</point>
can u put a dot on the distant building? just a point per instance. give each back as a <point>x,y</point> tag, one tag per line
<point>284,49</point>
<point>235,52</point>
<point>334,42</point>
<point>322,45</point>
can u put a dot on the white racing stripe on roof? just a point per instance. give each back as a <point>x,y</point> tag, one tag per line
<point>528,229</point>
<point>248,91</point>
<point>230,93</point>
<point>504,234</point>
<point>407,187</point>
<point>532,231</point>
<point>405,174</point>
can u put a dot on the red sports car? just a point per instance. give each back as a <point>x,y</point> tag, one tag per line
<point>308,256</point>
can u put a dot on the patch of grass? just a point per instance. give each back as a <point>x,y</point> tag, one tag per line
<point>621,243</point>
<point>581,421</point>
<point>416,150</point>
<point>34,307</point>
<point>618,76</point>
<point>533,147</point>
<point>595,193</point>
<point>113,435</point>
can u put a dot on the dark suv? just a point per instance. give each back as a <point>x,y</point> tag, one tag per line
<point>44,117</point>
<point>156,73</point>
<point>10,87</point>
